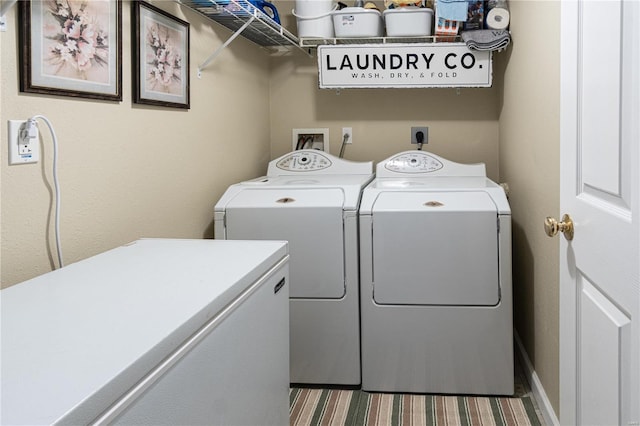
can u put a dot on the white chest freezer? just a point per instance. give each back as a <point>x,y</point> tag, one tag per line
<point>154,332</point>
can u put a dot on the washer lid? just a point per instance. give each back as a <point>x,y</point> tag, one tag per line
<point>350,186</point>
<point>287,198</point>
<point>435,248</point>
<point>434,201</point>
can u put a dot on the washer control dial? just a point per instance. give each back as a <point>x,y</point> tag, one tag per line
<point>414,162</point>
<point>304,162</point>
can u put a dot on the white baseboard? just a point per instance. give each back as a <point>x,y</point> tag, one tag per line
<point>537,389</point>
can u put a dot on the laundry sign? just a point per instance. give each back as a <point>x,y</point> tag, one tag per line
<point>403,65</point>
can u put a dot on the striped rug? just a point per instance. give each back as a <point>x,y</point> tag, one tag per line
<point>309,406</point>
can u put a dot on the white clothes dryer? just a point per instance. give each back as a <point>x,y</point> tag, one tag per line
<point>309,198</point>
<point>436,291</point>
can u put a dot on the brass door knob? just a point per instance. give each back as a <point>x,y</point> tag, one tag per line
<point>552,227</point>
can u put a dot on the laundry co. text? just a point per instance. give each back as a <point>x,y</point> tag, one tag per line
<point>394,61</point>
<point>403,65</point>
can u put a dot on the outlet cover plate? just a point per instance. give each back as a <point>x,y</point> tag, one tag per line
<point>21,154</point>
<point>415,130</point>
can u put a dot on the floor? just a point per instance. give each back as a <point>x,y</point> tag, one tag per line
<point>347,407</point>
<point>522,388</point>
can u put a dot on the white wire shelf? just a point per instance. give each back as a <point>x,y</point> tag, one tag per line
<point>233,14</point>
<point>244,19</point>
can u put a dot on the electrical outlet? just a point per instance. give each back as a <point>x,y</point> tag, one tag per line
<point>310,139</point>
<point>415,132</point>
<point>22,151</point>
<point>347,131</point>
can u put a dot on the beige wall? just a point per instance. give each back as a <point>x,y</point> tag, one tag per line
<point>462,126</point>
<point>529,161</point>
<point>129,171</point>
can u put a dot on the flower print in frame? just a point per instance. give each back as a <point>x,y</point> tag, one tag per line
<point>160,46</point>
<point>72,48</point>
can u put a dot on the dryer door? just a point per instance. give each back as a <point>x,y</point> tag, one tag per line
<point>310,220</point>
<point>435,248</point>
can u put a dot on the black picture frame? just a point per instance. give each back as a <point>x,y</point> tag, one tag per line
<point>71,48</point>
<point>160,57</point>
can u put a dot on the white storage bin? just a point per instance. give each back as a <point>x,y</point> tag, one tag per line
<point>408,21</point>
<point>314,18</point>
<point>357,22</point>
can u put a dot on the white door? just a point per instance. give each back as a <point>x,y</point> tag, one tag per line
<point>600,188</point>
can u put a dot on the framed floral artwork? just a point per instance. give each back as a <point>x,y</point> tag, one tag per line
<point>71,48</point>
<point>160,47</point>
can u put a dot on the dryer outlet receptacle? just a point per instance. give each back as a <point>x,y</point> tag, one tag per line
<point>416,134</point>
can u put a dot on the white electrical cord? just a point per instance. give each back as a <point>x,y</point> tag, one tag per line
<point>32,122</point>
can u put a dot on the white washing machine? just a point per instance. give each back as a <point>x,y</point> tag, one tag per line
<point>309,198</point>
<point>436,292</point>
